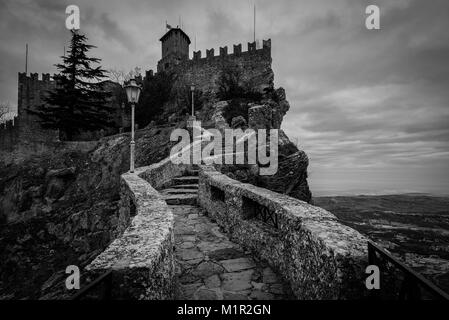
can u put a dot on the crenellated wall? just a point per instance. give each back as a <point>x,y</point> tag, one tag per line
<point>27,129</point>
<point>31,90</point>
<point>223,52</point>
<point>203,72</point>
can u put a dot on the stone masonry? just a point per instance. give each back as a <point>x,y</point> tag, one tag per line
<point>202,72</point>
<point>208,264</point>
<point>26,128</point>
<point>254,64</point>
<point>320,257</point>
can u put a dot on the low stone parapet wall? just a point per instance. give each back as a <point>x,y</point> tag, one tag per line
<point>320,257</point>
<point>160,174</point>
<point>142,257</point>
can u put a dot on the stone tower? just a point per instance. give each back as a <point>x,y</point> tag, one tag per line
<point>175,49</point>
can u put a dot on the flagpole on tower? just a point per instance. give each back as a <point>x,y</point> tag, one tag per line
<point>254,27</point>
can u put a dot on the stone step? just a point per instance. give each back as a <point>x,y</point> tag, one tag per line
<point>185,186</point>
<point>177,199</point>
<point>185,180</point>
<point>192,172</point>
<point>179,191</point>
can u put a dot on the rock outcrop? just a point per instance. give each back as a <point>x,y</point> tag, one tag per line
<point>291,176</point>
<point>61,207</point>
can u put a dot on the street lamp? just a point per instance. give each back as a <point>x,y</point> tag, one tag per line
<point>192,88</point>
<point>133,93</point>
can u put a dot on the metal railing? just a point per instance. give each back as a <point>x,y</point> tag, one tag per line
<point>254,210</point>
<point>412,283</point>
<point>105,280</point>
<point>266,215</point>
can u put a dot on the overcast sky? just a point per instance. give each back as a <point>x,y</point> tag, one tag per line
<point>370,108</point>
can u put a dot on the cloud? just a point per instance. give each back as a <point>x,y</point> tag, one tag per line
<point>112,31</point>
<point>371,108</point>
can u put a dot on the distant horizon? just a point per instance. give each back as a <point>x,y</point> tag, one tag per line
<point>326,183</point>
<point>327,193</point>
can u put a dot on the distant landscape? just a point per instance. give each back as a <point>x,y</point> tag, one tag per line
<point>414,227</point>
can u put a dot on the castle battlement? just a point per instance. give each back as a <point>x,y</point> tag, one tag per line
<point>237,51</point>
<point>9,124</point>
<point>209,66</point>
<point>31,88</point>
<point>34,77</point>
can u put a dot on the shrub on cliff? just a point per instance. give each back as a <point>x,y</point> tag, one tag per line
<point>238,93</point>
<point>231,85</point>
<point>79,101</point>
<point>236,108</point>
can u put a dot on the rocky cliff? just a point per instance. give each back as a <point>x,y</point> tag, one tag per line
<point>60,207</point>
<point>267,112</point>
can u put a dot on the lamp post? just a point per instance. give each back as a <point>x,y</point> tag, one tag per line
<point>132,93</point>
<point>192,88</point>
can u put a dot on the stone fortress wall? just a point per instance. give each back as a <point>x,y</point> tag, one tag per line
<point>26,127</point>
<point>203,72</point>
<point>9,134</point>
<point>31,91</point>
<point>255,66</point>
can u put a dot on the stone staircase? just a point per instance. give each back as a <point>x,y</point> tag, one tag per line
<point>209,266</point>
<point>183,191</point>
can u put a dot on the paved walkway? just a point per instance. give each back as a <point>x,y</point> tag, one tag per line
<point>208,265</point>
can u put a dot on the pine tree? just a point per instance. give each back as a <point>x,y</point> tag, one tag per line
<point>79,102</point>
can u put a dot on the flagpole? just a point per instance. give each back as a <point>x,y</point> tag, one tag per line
<point>254,27</point>
<point>26,59</point>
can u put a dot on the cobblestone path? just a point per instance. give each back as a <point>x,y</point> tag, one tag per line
<point>208,265</point>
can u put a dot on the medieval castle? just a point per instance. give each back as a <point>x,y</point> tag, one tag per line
<point>202,72</point>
